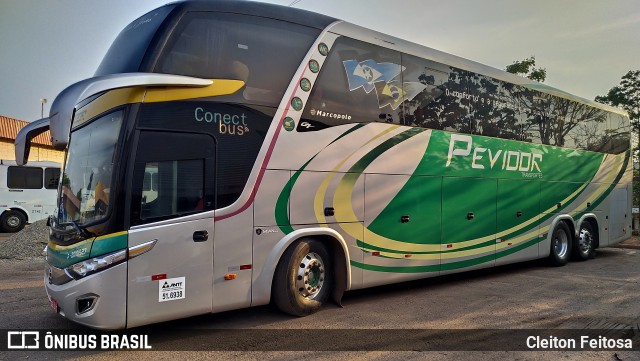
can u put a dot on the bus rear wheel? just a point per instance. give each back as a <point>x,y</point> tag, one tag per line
<point>583,247</point>
<point>12,221</point>
<point>560,245</point>
<point>303,278</point>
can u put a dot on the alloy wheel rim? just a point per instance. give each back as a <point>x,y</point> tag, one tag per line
<point>561,243</point>
<point>13,221</point>
<point>585,241</point>
<point>310,275</point>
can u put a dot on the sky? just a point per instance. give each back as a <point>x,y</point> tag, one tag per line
<point>585,45</point>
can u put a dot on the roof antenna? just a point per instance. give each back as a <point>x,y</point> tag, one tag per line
<point>294,2</point>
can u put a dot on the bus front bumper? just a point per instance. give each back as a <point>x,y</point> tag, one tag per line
<point>98,300</point>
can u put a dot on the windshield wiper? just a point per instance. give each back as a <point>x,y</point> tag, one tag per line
<point>78,228</point>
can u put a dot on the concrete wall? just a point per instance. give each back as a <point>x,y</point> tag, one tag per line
<point>38,153</point>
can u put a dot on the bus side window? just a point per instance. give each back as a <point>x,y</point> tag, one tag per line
<point>425,88</point>
<point>173,176</point>
<point>148,193</point>
<point>180,189</point>
<point>589,130</point>
<point>24,177</point>
<point>51,178</point>
<point>618,131</point>
<point>359,83</point>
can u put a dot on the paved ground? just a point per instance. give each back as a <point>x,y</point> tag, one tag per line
<point>631,243</point>
<point>602,293</point>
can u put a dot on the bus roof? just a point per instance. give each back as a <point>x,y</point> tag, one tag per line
<point>320,21</point>
<point>285,13</point>
<point>367,35</point>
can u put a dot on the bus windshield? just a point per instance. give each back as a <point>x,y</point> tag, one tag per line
<point>126,53</point>
<point>87,177</point>
<point>264,53</point>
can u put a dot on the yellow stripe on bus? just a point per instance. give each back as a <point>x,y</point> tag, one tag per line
<point>318,202</point>
<point>141,94</point>
<point>106,101</point>
<point>219,87</point>
<point>89,240</point>
<point>376,240</point>
<point>112,235</point>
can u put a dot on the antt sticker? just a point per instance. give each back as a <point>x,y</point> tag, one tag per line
<point>171,289</point>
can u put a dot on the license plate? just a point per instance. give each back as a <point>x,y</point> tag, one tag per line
<point>54,304</point>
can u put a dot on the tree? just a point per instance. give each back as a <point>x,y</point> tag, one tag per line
<point>527,69</point>
<point>626,96</point>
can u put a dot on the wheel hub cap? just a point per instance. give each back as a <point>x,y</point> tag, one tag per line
<point>310,275</point>
<point>585,241</point>
<point>561,244</point>
<point>13,221</point>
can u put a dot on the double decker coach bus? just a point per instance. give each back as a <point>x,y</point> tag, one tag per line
<point>228,154</point>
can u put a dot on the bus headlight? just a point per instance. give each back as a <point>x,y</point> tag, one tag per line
<point>93,265</point>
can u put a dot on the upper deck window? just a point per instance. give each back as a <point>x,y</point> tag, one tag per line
<point>264,53</point>
<point>359,83</point>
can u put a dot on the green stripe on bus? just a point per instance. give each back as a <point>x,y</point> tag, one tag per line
<point>282,203</point>
<point>445,266</point>
<point>66,257</point>
<point>109,244</point>
<point>615,182</point>
<point>362,163</point>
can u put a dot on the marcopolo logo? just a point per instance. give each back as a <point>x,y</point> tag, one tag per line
<point>231,124</point>
<point>323,114</point>
<point>487,158</point>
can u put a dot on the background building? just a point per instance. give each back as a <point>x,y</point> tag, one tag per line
<point>41,149</point>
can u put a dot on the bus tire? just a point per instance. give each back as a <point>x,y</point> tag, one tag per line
<point>560,245</point>
<point>303,278</point>
<point>12,221</point>
<point>583,247</point>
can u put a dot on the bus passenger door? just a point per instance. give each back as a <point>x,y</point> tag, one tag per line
<point>170,272</point>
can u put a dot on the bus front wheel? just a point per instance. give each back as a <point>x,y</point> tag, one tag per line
<point>560,245</point>
<point>303,278</point>
<point>12,221</point>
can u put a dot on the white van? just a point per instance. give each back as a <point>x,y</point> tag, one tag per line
<point>27,193</point>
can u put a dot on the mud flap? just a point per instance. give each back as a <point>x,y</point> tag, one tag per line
<point>340,276</point>
<point>337,297</point>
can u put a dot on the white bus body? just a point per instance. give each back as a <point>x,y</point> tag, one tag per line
<point>301,157</point>
<point>27,193</point>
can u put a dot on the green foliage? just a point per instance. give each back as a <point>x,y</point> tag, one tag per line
<point>627,96</point>
<point>527,69</point>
